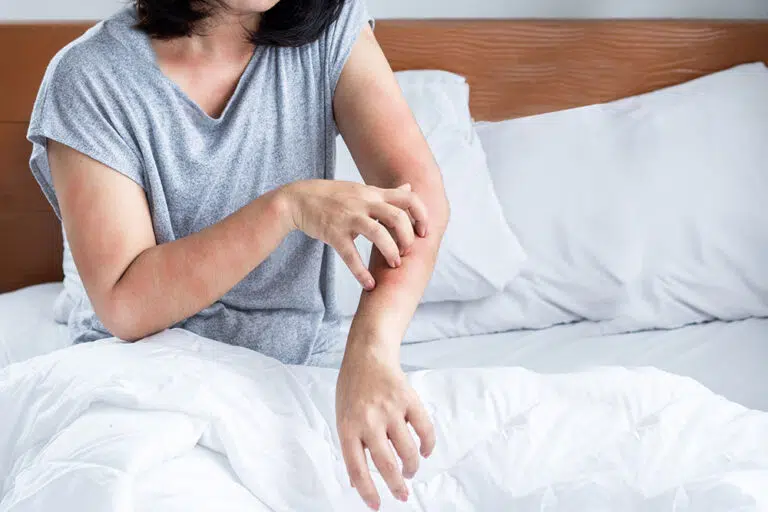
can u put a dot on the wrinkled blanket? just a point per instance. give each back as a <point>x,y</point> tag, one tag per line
<point>87,427</point>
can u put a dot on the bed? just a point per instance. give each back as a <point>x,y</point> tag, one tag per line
<point>97,437</point>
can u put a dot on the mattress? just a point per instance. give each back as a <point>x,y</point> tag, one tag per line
<point>729,358</point>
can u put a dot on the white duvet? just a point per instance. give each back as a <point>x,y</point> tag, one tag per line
<point>182,423</point>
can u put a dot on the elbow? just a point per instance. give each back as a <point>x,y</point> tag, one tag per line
<point>121,319</point>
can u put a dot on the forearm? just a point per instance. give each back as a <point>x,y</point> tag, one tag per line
<point>385,312</point>
<point>170,282</point>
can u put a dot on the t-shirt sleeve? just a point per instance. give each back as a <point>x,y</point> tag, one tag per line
<point>342,36</point>
<point>75,107</point>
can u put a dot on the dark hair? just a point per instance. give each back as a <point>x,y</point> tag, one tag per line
<point>288,23</point>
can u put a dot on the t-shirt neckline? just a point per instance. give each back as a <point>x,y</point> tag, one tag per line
<point>141,43</point>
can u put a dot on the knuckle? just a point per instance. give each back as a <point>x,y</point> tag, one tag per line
<point>426,430</point>
<point>352,263</point>
<point>371,418</point>
<point>392,408</point>
<point>346,426</point>
<point>371,196</point>
<point>388,466</point>
<point>392,218</point>
<point>411,462</point>
<point>400,397</point>
<point>391,245</point>
<point>345,252</point>
<point>396,219</point>
<point>357,475</point>
<point>379,229</point>
<point>365,224</point>
<point>362,225</point>
<point>410,454</point>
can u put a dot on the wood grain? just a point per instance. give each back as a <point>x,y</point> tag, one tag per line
<point>18,189</point>
<point>31,249</point>
<point>515,68</point>
<point>519,68</point>
<point>26,51</point>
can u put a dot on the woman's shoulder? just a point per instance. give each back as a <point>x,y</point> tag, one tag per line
<point>352,16</point>
<point>92,80</point>
<point>96,57</point>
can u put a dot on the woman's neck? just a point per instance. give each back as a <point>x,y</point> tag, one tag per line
<point>223,36</point>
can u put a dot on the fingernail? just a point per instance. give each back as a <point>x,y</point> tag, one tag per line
<point>403,496</point>
<point>398,262</point>
<point>369,284</point>
<point>374,506</point>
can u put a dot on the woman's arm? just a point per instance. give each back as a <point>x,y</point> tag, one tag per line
<point>138,287</point>
<point>390,151</point>
<point>374,401</point>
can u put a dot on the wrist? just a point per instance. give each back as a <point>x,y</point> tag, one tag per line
<point>284,205</point>
<point>373,340</point>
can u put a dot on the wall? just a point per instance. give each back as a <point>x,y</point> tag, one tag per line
<point>94,9</point>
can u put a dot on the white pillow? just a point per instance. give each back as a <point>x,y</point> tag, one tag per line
<point>664,192</point>
<point>649,212</point>
<point>73,286</point>
<point>479,254</point>
<point>439,101</point>
<point>27,328</point>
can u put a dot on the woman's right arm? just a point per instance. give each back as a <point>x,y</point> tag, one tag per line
<point>138,287</point>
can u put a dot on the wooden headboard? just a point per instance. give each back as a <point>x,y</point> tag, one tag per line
<point>515,68</point>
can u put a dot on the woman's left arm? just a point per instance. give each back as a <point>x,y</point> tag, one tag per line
<point>374,400</point>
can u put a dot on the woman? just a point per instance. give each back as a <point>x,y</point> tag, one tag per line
<point>186,147</point>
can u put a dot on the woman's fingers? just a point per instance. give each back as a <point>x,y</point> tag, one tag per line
<point>398,221</point>
<point>381,238</point>
<point>405,447</point>
<point>412,203</point>
<point>399,210</point>
<point>419,419</point>
<point>348,252</point>
<point>357,468</point>
<point>384,459</point>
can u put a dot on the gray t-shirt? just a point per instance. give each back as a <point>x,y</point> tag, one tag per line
<point>104,96</point>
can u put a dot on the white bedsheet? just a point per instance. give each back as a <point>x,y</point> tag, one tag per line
<point>107,427</point>
<point>728,358</point>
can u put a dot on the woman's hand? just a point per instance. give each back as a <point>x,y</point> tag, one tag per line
<point>337,212</point>
<point>374,404</point>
